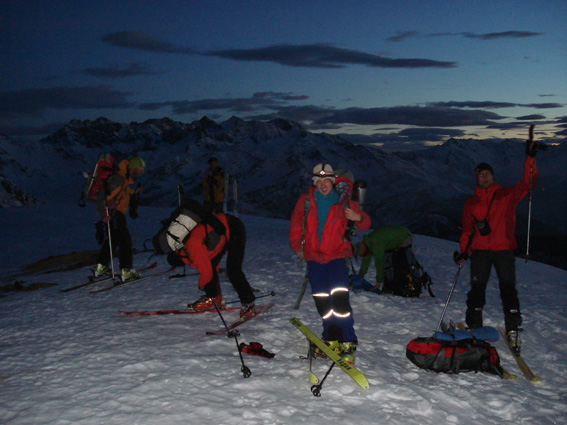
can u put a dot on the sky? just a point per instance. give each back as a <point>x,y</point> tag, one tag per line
<point>384,72</point>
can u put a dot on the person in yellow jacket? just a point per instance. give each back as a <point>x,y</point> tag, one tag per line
<point>213,187</point>
<point>112,205</point>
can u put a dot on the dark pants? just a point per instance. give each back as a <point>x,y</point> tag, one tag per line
<point>213,207</point>
<point>120,238</point>
<point>329,287</point>
<point>235,256</point>
<point>481,265</point>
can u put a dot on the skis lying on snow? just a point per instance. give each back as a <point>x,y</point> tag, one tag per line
<point>349,369</point>
<point>93,279</point>
<point>166,312</point>
<point>186,311</point>
<point>526,371</point>
<point>257,310</point>
<point>505,373</point>
<point>117,284</point>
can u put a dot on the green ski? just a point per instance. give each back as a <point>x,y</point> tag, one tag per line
<point>349,369</point>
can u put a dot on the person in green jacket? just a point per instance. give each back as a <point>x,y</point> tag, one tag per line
<point>375,244</point>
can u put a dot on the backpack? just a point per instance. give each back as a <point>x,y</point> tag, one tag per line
<point>454,356</point>
<point>97,178</point>
<point>176,229</point>
<point>403,275</point>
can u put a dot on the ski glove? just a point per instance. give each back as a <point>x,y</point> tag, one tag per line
<point>531,148</point>
<point>458,256</point>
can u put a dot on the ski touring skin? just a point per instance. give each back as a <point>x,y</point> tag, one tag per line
<point>258,310</point>
<point>524,368</point>
<point>349,369</point>
<point>118,284</point>
<point>93,279</point>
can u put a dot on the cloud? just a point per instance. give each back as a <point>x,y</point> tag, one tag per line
<point>140,41</point>
<point>36,101</point>
<point>302,55</point>
<point>401,115</point>
<point>504,34</point>
<point>323,56</point>
<point>132,70</point>
<point>403,36</point>
<point>494,105</point>
<point>260,100</point>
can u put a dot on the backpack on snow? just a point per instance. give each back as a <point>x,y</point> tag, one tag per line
<point>97,178</point>
<point>403,275</point>
<point>176,229</point>
<point>454,356</point>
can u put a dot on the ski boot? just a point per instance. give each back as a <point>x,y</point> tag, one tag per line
<point>514,342</point>
<point>102,270</point>
<point>347,351</point>
<point>247,310</point>
<point>206,303</point>
<point>129,274</point>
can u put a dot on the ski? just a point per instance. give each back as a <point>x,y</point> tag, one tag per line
<point>349,369</point>
<point>524,368</point>
<point>505,374</point>
<point>93,279</point>
<point>119,283</point>
<point>258,310</point>
<point>166,312</point>
<point>162,312</point>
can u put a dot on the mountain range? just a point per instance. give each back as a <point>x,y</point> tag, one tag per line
<point>272,162</point>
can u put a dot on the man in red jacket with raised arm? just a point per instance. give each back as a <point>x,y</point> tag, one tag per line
<point>489,222</point>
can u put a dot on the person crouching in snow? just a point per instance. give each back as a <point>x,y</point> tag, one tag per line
<point>204,250</point>
<point>317,234</point>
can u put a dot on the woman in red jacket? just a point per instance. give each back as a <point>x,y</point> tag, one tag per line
<point>318,235</point>
<point>489,221</point>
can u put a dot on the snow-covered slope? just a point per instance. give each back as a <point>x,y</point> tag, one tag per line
<point>71,358</point>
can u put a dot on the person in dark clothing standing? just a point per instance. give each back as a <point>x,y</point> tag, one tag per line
<point>112,205</point>
<point>213,187</point>
<point>489,221</point>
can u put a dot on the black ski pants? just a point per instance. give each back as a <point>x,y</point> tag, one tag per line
<point>234,249</point>
<point>504,263</point>
<point>120,238</point>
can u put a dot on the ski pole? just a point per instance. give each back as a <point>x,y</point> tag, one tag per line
<point>316,389</point>
<point>302,291</point>
<point>179,193</point>
<point>271,294</point>
<point>234,333</point>
<point>456,278</point>
<point>110,244</point>
<point>531,139</point>
<point>449,297</point>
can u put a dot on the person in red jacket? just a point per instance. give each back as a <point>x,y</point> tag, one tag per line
<point>318,234</point>
<point>204,250</point>
<point>489,221</point>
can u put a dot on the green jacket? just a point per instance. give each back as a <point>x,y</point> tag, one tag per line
<point>378,242</point>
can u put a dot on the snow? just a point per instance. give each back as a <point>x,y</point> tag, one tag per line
<point>71,358</point>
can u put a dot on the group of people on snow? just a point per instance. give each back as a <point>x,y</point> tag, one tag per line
<point>319,234</point>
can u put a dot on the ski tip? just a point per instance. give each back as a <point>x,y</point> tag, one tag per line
<point>535,380</point>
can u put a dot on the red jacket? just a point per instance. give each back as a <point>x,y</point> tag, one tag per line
<point>502,215</point>
<point>333,244</point>
<point>198,255</point>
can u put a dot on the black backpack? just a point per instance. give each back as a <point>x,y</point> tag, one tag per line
<point>403,275</point>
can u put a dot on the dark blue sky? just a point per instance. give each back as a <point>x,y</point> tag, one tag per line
<point>404,71</point>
